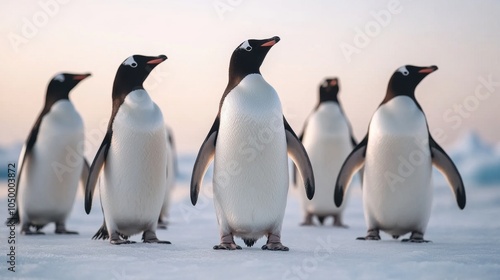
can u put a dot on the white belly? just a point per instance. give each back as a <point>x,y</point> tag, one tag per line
<point>51,174</point>
<point>327,141</point>
<point>250,165</point>
<point>397,191</point>
<point>133,183</point>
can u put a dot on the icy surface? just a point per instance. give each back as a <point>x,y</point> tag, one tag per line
<point>465,244</point>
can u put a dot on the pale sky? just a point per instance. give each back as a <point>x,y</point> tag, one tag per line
<point>460,37</point>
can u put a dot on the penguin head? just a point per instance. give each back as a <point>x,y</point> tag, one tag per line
<point>406,78</point>
<point>133,72</point>
<point>61,84</point>
<point>249,55</point>
<point>328,90</point>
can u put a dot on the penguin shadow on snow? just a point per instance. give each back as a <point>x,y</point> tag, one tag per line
<point>395,200</point>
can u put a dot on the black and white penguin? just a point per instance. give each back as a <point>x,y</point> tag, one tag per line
<point>248,142</point>
<point>133,158</point>
<point>51,162</point>
<point>328,140</point>
<point>397,154</point>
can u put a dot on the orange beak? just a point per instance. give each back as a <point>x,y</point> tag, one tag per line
<point>81,77</point>
<point>156,61</point>
<point>268,44</point>
<point>428,70</point>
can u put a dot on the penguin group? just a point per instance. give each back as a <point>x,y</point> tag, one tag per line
<point>135,165</point>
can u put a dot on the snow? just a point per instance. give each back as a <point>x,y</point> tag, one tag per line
<point>465,244</point>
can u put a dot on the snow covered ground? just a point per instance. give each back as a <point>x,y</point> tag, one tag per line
<point>466,244</point>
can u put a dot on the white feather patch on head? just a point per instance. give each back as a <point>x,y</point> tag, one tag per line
<point>130,62</point>
<point>403,70</point>
<point>325,84</point>
<point>246,46</point>
<point>59,77</point>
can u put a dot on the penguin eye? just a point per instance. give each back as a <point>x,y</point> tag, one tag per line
<point>404,71</point>
<point>246,46</point>
<point>130,62</point>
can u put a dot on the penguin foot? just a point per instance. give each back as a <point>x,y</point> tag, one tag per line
<point>26,229</point>
<point>275,247</point>
<point>116,240</point>
<point>157,241</point>
<point>120,242</point>
<point>416,237</point>
<point>274,243</point>
<point>61,229</point>
<point>227,243</point>
<point>372,234</point>
<point>149,236</point>
<point>415,240</point>
<point>227,246</point>
<point>29,232</point>
<point>66,232</point>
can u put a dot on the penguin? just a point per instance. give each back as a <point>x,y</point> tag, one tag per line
<point>328,139</point>
<point>171,175</point>
<point>132,157</point>
<point>51,162</point>
<point>249,142</point>
<point>398,153</point>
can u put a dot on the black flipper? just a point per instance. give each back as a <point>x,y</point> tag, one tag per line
<point>23,157</point>
<point>299,156</point>
<point>85,174</point>
<point>205,156</point>
<point>352,164</point>
<point>95,169</point>
<point>446,166</point>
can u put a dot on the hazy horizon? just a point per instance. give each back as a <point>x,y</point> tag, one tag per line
<point>360,43</point>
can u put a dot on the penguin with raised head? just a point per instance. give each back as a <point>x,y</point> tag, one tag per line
<point>397,154</point>
<point>51,162</point>
<point>171,174</point>
<point>249,141</point>
<point>132,157</point>
<point>328,140</point>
